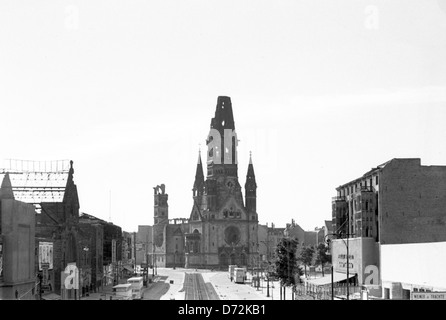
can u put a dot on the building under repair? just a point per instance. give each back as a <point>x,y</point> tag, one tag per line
<point>50,188</point>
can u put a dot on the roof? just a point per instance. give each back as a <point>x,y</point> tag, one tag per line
<point>375,170</point>
<point>51,296</point>
<point>38,181</point>
<point>123,285</point>
<point>85,217</point>
<point>128,268</point>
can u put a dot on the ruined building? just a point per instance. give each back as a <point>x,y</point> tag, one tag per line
<point>222,228</point>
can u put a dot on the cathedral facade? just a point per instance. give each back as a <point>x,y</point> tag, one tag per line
<point>222,228</point>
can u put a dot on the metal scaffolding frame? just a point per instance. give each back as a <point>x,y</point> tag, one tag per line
<point>37,182</point>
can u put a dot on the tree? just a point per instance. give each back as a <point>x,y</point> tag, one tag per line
<point>286,265</point>
<point>322,255</point>
<point>306,256</point>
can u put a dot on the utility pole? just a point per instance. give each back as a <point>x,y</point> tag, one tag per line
<point>348,262</point>
<point>332,282</point>
<point>134,249</point>
<point>153,260</point>
<point>346,242</point>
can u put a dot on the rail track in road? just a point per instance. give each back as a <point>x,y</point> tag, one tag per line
<point>197,289</point>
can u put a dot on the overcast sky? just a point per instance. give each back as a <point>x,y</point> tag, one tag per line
<point>322,91</point>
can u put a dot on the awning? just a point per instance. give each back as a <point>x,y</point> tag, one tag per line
<point>337,277</point>
<point>128,268</point>
<point>51,296</point>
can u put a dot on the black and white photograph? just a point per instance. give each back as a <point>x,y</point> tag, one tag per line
<point>248,152</point>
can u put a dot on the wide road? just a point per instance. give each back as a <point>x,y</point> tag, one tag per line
<point>197,289</point>
<point>156,290</point>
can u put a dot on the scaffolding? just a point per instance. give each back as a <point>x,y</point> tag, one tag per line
<point>37,182</point>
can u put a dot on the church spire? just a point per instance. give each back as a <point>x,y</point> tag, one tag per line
<point>251,188</point>
<point>250,176</point>
<point>199,177</point>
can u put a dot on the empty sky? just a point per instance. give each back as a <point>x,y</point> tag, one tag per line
<point>322,91</point>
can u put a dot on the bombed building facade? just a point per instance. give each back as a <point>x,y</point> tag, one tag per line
<point>222,228</point>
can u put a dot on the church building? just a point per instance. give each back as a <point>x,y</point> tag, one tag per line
<point>222,228</point>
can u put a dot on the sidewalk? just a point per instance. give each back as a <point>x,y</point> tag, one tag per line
<point>228,290</point>
<point>103,293</point>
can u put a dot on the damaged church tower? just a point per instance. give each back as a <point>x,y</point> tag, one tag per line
<point>221,230</point>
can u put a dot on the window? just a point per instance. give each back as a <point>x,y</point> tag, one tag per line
<point>376,180</point>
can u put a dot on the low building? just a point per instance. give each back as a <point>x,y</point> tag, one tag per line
<point>274,236</point>
<point>411,268</point>
<point>128,253</point>
<point>92,240</point>
<point>400,205</point>
<point>111,249</point>
<point>17,242</point>
<point>49,186</point>
<point>144,246</point>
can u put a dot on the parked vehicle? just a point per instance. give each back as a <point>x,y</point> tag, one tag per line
<point>231,272</point>
<point>122,291</point>
<point>137,286</point>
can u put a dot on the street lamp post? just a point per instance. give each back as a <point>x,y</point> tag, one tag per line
<point>267,273</point>
<point>153,260</point>
<point>258,267</point>
<point>346,242</point>
<point>327,241</point>
<point>267,283</point>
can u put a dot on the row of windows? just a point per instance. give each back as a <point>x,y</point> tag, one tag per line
<point>356,187</point>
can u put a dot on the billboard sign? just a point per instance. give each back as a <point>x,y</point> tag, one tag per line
<point>45,255</point>
<point>428,296</point>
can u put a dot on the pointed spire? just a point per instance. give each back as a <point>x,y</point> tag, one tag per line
<point>250,174</point>
<point>6,188</point>
<point>199,176</point>
<point>199,155</point>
